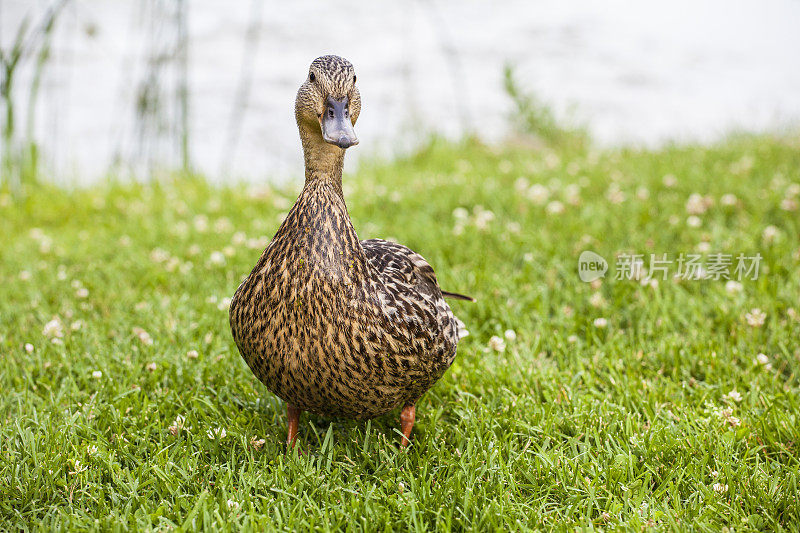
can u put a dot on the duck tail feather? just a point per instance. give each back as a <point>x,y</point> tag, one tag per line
<point>456,296</point>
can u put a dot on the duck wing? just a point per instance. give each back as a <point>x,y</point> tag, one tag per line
<point>404,270</point>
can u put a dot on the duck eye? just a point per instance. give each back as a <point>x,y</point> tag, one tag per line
<point>330,113</point>
<point>311,76</point>
<point>354,78</point>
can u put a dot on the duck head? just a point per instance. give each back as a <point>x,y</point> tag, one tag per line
<point>328,104</point>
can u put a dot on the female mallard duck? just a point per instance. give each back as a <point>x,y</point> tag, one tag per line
<point>334,325</point>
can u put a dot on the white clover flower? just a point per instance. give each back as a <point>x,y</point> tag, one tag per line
<point>497,344</point>
<point>151,366</point>
<point>597,300</point>
<point>720,488</point>
<point>53,329</point>
<point>223,225</point>
<point>82,292</point>
<point>45,245</point>
<point>648,282</point>
<point>762,359</point>
<point>258,243</point>
<point>734,396</point>
<point>789,204</point>
<point>733,286</point>
<point>224,304</point>
<point>217,258</point>
<point>552,160</point>
<point>257,444</point>
<point>615,195</point>
<point>172,264</point>
<point>159,255</point>
<point>696,204</point>
<point>143,336</point>
<point>729,200</point>
<point>177,426</point>
<point>78,468</point>
<point>24,275</point>
<point>192,354</point>
<point>694,221</point>
<point>600,322</point>
<point>755,318</point>
<point>97,374</point>
<point>233,504</point>
<point>538,194</point>
<point>460,213</point>
<point>670,180</point>
<point>29,347</point>
<point>572,339</point>
<point>201,223</point>
<point>483,218</point>
<point>554,208</point>
<point>510,335</point>
<point>181,228</point>
<point>239,238</point>
<point>770,234</point>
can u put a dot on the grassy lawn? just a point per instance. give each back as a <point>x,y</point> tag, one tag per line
<point>619,403</point>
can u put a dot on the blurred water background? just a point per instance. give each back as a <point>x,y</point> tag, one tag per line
<point>134,87</point>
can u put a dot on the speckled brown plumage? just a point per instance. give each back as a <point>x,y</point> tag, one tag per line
<point>334,325</point>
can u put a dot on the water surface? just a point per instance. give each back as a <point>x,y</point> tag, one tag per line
<point>633,72</point>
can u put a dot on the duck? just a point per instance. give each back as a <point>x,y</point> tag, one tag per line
<point>333,325</point>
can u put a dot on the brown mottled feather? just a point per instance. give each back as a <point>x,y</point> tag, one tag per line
<point>331,324</point>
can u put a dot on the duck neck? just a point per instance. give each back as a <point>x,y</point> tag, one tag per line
<point>323,161</point>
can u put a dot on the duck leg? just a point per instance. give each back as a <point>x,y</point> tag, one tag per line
<point>407,417</point>
<point>293,413</point>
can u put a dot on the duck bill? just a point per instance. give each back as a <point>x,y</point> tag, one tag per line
<point>335,121</point>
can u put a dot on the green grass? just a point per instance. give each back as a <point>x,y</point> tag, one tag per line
<point>571,425</point>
